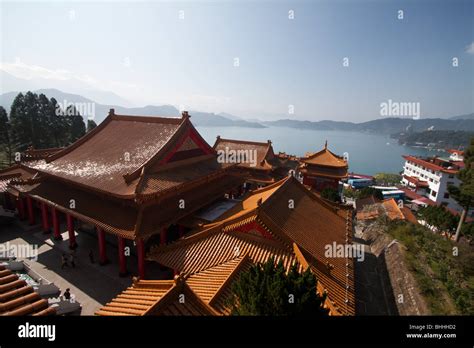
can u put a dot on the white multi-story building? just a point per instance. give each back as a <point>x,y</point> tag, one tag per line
<point>431,177</point>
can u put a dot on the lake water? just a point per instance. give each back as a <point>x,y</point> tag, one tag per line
<point>368,153</point>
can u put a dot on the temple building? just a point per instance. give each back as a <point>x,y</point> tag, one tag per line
<point>258,159</point>
<point>131,179</point>
<point>283,220</point>
<point>323,169</point>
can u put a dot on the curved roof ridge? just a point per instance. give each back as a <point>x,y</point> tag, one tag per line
<point>130,176</point>
<point>310,194</point>
<point>238,141</point>
<point>147,119</point>
<point>187,239</point>
<point>309,158</point>
<point>269,187</point>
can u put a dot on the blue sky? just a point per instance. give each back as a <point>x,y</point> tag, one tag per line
<point>146,53</point>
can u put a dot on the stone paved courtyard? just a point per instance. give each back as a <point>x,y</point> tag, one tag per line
<point>92,284</point>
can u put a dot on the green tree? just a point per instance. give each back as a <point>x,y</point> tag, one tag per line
<point>91,125</point>
<point>42,123</point>
<point>464,194</point>
<point>77,128</point>
<point>58,124</point>
<point>20,127</point>
<point>5,141</point>
<point>439,217</point>
<point>370,191</point>
<point>330,194</point>
<point>387,179</point>
<point>268,290</point>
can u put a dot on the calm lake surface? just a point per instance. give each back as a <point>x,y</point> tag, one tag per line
<point>368,153</point>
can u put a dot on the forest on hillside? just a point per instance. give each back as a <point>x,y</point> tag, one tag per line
<point>34,121</point>
<point>441,139</point>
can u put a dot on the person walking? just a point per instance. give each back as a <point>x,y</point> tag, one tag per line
<point>64,261</point>
<point>72,258</point>
<point>91,256</point>
<point>67,294</point>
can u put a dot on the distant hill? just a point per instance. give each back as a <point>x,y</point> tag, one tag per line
<point>383,126</point>
<point>102,110</point>
<point>10,83</point>
<point>444,139</point>
<point>229,116</point>
<point>463,117</point>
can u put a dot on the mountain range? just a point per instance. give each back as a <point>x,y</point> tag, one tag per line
<point>101,110</point>
<point>206,119</point>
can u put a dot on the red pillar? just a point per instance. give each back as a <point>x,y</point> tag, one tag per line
<point>56,226</point>
<point>181,231</point>
<point>122,260</point>
<point>70,229</point>
<point>102,251</point>
<point>163,236</point>
<point>141,258</point>
<point>20,205</point>
<point>31,212</point>
<point>44,217</point>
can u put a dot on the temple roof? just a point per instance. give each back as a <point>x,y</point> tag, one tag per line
<point>264,225</point>
<point>205,293</point>
<point>18,298</point>
<point>112,156</point>
<point>263,150</point>
<point>157,297</point>
<point>325,158</point>
<point>13,173</point>
<point>118,173</point>
<point>388,207</point>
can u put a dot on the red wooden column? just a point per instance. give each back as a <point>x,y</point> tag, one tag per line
<point>102,250</point>
<point>20,206</point>
<point>141,258</point>
<point>31,212</point>
<point>44,217</point>
<point>122,261</point>
<point>181,231</point>
<point>163,236</point>
<point>56,225</point>
<point>70,229</point>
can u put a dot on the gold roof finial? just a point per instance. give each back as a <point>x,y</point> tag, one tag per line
<point>326,145</point>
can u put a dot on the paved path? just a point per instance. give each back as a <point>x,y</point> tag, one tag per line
<point>92,284</point>
<point>373,293</point>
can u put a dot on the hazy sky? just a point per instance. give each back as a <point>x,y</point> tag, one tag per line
<point>148,53</point>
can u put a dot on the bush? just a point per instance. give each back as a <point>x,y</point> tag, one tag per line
<point>266,289</point>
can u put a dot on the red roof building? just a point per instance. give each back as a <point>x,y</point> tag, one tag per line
<point>257,159</point>
<point>263,225</point>
<point>323,169</point>
<point>131,177</point>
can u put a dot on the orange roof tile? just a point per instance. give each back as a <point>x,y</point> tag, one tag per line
<point>325,158</point>
<point>156,297</point>
<point>264,151</point>
<point>18,298</point>
<point>274,229</point>
<point>388,207</point>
